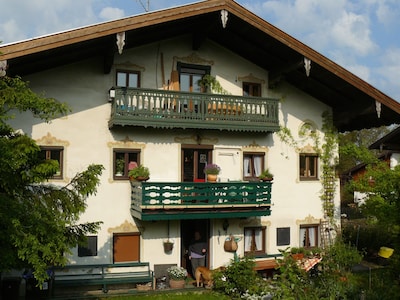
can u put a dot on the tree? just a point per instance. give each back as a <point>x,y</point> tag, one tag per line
<point>38,220</point>
<point>381,184</point>
<point>353,147</point>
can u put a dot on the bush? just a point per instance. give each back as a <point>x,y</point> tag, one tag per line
<point>367,237</point>
<point>240,281</point>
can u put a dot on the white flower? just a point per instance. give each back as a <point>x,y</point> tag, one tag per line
<point>176,272</point>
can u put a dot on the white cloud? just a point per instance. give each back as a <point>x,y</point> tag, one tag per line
<point>111,13</point>
<point>21,19</point>
<point>389,70</point>
<point>352,31</point>
<point>388,12</point>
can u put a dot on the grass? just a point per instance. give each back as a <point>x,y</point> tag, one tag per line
<point>209,295</point>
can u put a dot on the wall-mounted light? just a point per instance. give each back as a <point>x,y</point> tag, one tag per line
<point>111,94</point>
<point>225,225</point>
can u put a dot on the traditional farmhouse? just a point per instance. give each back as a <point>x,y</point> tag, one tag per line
<point>178,89</point>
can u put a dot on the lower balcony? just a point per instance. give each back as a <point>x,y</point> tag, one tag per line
<point>172,109</point>
<point>152,201</point>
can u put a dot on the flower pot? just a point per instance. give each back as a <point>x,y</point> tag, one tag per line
<point>177,283</point>
<point>139,178</point>
<point>298,256</point>
<point>212,177</point>
<point>267,179</point>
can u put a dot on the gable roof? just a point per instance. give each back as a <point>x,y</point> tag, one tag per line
<point>352,99</point>
<point>390,141</point>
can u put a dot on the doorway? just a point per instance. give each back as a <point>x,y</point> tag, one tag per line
<point>194,160</point>
<point>188,228</point>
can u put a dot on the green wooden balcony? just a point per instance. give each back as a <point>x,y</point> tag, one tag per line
<point>199,200</point>
<point>172,109</point>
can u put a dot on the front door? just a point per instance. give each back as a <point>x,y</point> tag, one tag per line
<point>188,228</point>
<point>194,160</point>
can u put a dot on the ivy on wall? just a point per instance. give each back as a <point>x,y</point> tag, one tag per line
<point>327,151</point>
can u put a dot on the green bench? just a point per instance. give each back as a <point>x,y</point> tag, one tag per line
<point>103,274</point>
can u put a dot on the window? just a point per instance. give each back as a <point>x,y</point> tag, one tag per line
<point>308,166</point>
<point>89,248</point>
<point>123,160</point>
<point>126,247</point>
<point>251,89</point>
<point>129,79</point>
<point>254,240</point>
<point>253,165</point>
<point>54,153</point>
<point>283,236</point>
<point>194,160</point>
<point>309,236</point>
<point>189,75</point>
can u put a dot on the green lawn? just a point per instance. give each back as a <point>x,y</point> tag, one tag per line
<point>209,295</point>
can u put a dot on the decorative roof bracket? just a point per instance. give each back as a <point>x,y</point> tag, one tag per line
<point>224,17</point>
<point>120,41</point>
<point>378,107</point>
<point>307,66</point>
<point>3,67</point>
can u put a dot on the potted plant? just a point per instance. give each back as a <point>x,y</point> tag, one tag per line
<point>297,253</point>
<point>177,276</point>
<point>212,171</point>
<point>266,175</point>
<point>209,83</point>
<point>140,173</point>
<point>119,167</point>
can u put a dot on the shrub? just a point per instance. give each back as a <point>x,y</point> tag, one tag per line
<point>240,281</point>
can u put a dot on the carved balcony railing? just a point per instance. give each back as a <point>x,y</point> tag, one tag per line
<point>199,200</point>
<point>172,109</point>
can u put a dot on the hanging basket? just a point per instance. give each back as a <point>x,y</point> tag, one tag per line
<point>230,244</point>
<point>168,246</point>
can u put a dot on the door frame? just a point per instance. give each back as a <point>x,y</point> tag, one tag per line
<point>195,163</point>
<point>188,227</point>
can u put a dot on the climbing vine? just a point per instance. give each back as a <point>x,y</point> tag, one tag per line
<point>327,153</point>
<point>329,162</point>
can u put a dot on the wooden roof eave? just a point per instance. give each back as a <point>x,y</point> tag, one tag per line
<point>107,28</point>
<point>163,16</point>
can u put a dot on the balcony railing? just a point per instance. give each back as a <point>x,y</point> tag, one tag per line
<point>199,200</point>
<point>172,109</point>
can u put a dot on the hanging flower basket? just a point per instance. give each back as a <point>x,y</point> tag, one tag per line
<point>168,246</point>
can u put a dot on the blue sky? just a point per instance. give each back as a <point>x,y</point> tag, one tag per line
<point>361,35</point>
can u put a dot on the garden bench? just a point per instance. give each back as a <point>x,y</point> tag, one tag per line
<point>103,274</point>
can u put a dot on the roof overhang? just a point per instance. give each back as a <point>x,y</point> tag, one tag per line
<point>355,103</point>
<point>391,141</point>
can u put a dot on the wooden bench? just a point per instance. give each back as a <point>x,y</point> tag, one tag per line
<point>266,264</point>
<point>103,274</point>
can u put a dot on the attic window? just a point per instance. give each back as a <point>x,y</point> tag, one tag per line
<point>130,79</point>
<point>251,89</point>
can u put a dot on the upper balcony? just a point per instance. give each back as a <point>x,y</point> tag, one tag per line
<point>199,200</point>
<point>172,109</point>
